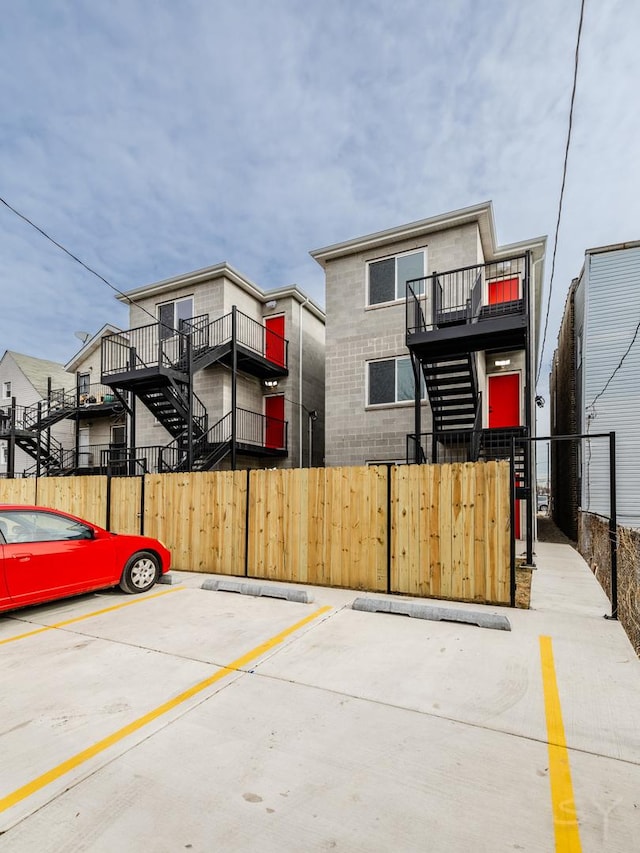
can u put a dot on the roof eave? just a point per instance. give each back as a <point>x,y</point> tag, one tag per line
<point>480,213</point>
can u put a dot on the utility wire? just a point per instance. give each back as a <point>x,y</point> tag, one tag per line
<point>617,368</point>
<point>564,177</point>
<point>76,259</point>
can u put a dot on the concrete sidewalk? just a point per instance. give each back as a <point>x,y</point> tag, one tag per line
<point>598,678</point>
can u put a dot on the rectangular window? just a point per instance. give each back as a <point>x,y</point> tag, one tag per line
<point>391,381</point>
<point>6,389</point>
<point>3,453</point>
<point>173,315</point>
<point>118,435</point>
<point>84,381</point>
<point>388,278</point>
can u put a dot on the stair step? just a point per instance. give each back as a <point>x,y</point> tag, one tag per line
<point>458,423</point>
<point>451,381</point>
<point>468,413</point>
<point>444,370</point>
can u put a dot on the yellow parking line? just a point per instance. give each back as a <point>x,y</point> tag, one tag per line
<point>565,819</point>
<point>75,761</point>
<point>88,615</point>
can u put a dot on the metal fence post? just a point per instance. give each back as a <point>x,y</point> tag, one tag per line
<point>512,512</point>
<point>613,525</point>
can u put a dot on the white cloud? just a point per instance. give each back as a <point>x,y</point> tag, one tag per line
<point>152,138</point>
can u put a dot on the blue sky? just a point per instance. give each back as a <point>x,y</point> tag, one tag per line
<point>154,137</point>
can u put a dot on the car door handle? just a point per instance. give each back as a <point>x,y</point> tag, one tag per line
<point>22,558</point>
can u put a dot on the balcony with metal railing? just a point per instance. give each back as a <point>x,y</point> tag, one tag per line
<point>156,348</point>
<point>95,400</point>
<point>473,308</point>
<point>252,433</point>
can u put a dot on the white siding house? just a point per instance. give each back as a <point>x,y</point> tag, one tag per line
<point>27,380</point>
<point>606,343</point>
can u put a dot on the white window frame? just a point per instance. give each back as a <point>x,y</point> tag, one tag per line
<point>174,303</point>
<point>6,390</point>
<point>402,296</point>
<point>395,401</point>
<point>4,453</point>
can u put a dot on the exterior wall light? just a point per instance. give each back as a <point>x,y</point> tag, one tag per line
<point>502,362</point>
<point>270,383</point>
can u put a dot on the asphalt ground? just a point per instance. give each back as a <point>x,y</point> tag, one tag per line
<point>188,719</point>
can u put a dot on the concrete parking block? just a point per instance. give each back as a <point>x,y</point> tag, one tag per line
<point>418,610</point>
<point>302,596</point>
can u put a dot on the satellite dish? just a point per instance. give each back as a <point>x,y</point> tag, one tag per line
<point>82,336</point>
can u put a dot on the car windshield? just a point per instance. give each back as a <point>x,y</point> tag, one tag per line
<point>34,526</point>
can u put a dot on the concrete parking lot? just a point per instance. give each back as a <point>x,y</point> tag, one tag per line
<point>189,719</point>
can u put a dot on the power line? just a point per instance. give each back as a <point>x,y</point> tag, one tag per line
<point>76,259</point>
<point>619,365</point>
<point>564,177</point>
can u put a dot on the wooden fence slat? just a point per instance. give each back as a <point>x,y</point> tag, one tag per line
<point>85,497</point>
<point>126,495</point>
<point>19,491</point>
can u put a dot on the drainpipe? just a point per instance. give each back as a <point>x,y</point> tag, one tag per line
<point>301,306</point>
<point>234,385</point>
<point>529,450</point>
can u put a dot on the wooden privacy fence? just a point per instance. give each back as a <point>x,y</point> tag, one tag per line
<point>431,530</point>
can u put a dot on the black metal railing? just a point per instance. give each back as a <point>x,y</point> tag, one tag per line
<point>252,428</point>
<point>129,462</point>
<point>443,447</point>
<point>59,404</point>
<point>200,416</point>
<point>157,345</point>
<point>469,445</point>
<point>467,295</point>
<point>38,415</point>
<point>95,394</point>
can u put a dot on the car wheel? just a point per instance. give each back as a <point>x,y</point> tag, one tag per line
<point>140,573</point>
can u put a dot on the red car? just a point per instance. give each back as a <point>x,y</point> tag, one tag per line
<point>46,554</point>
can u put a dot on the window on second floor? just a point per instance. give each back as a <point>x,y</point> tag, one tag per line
<point>387,278</point>
<point>173,315</point>
<point>6,389</point>
<point>391,381</point>
<point>4,454</point>
<point>84,381</point>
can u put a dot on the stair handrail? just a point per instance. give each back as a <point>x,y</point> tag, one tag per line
<point>199,413</point>
<point>58,404</point>
<point>177,449</point>
<point>412,301</point>
<point>476,297</point>
<point>51,456</point>
<point>476,435</point>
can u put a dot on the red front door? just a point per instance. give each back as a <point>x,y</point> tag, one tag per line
<point>504,400</point>
<point>274,421</point>
<point>505,290</point>
<point>504,411</point>
<point>274,340</point>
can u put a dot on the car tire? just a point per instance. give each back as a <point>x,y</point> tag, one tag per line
<point>141,572</point>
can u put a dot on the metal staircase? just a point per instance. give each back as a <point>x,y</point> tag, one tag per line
<point>27,426</point>
<point>157,365</point>
<point>452,387</point>
<point>168,402</point>
<point>210,448</point>
<point>45,450</point>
